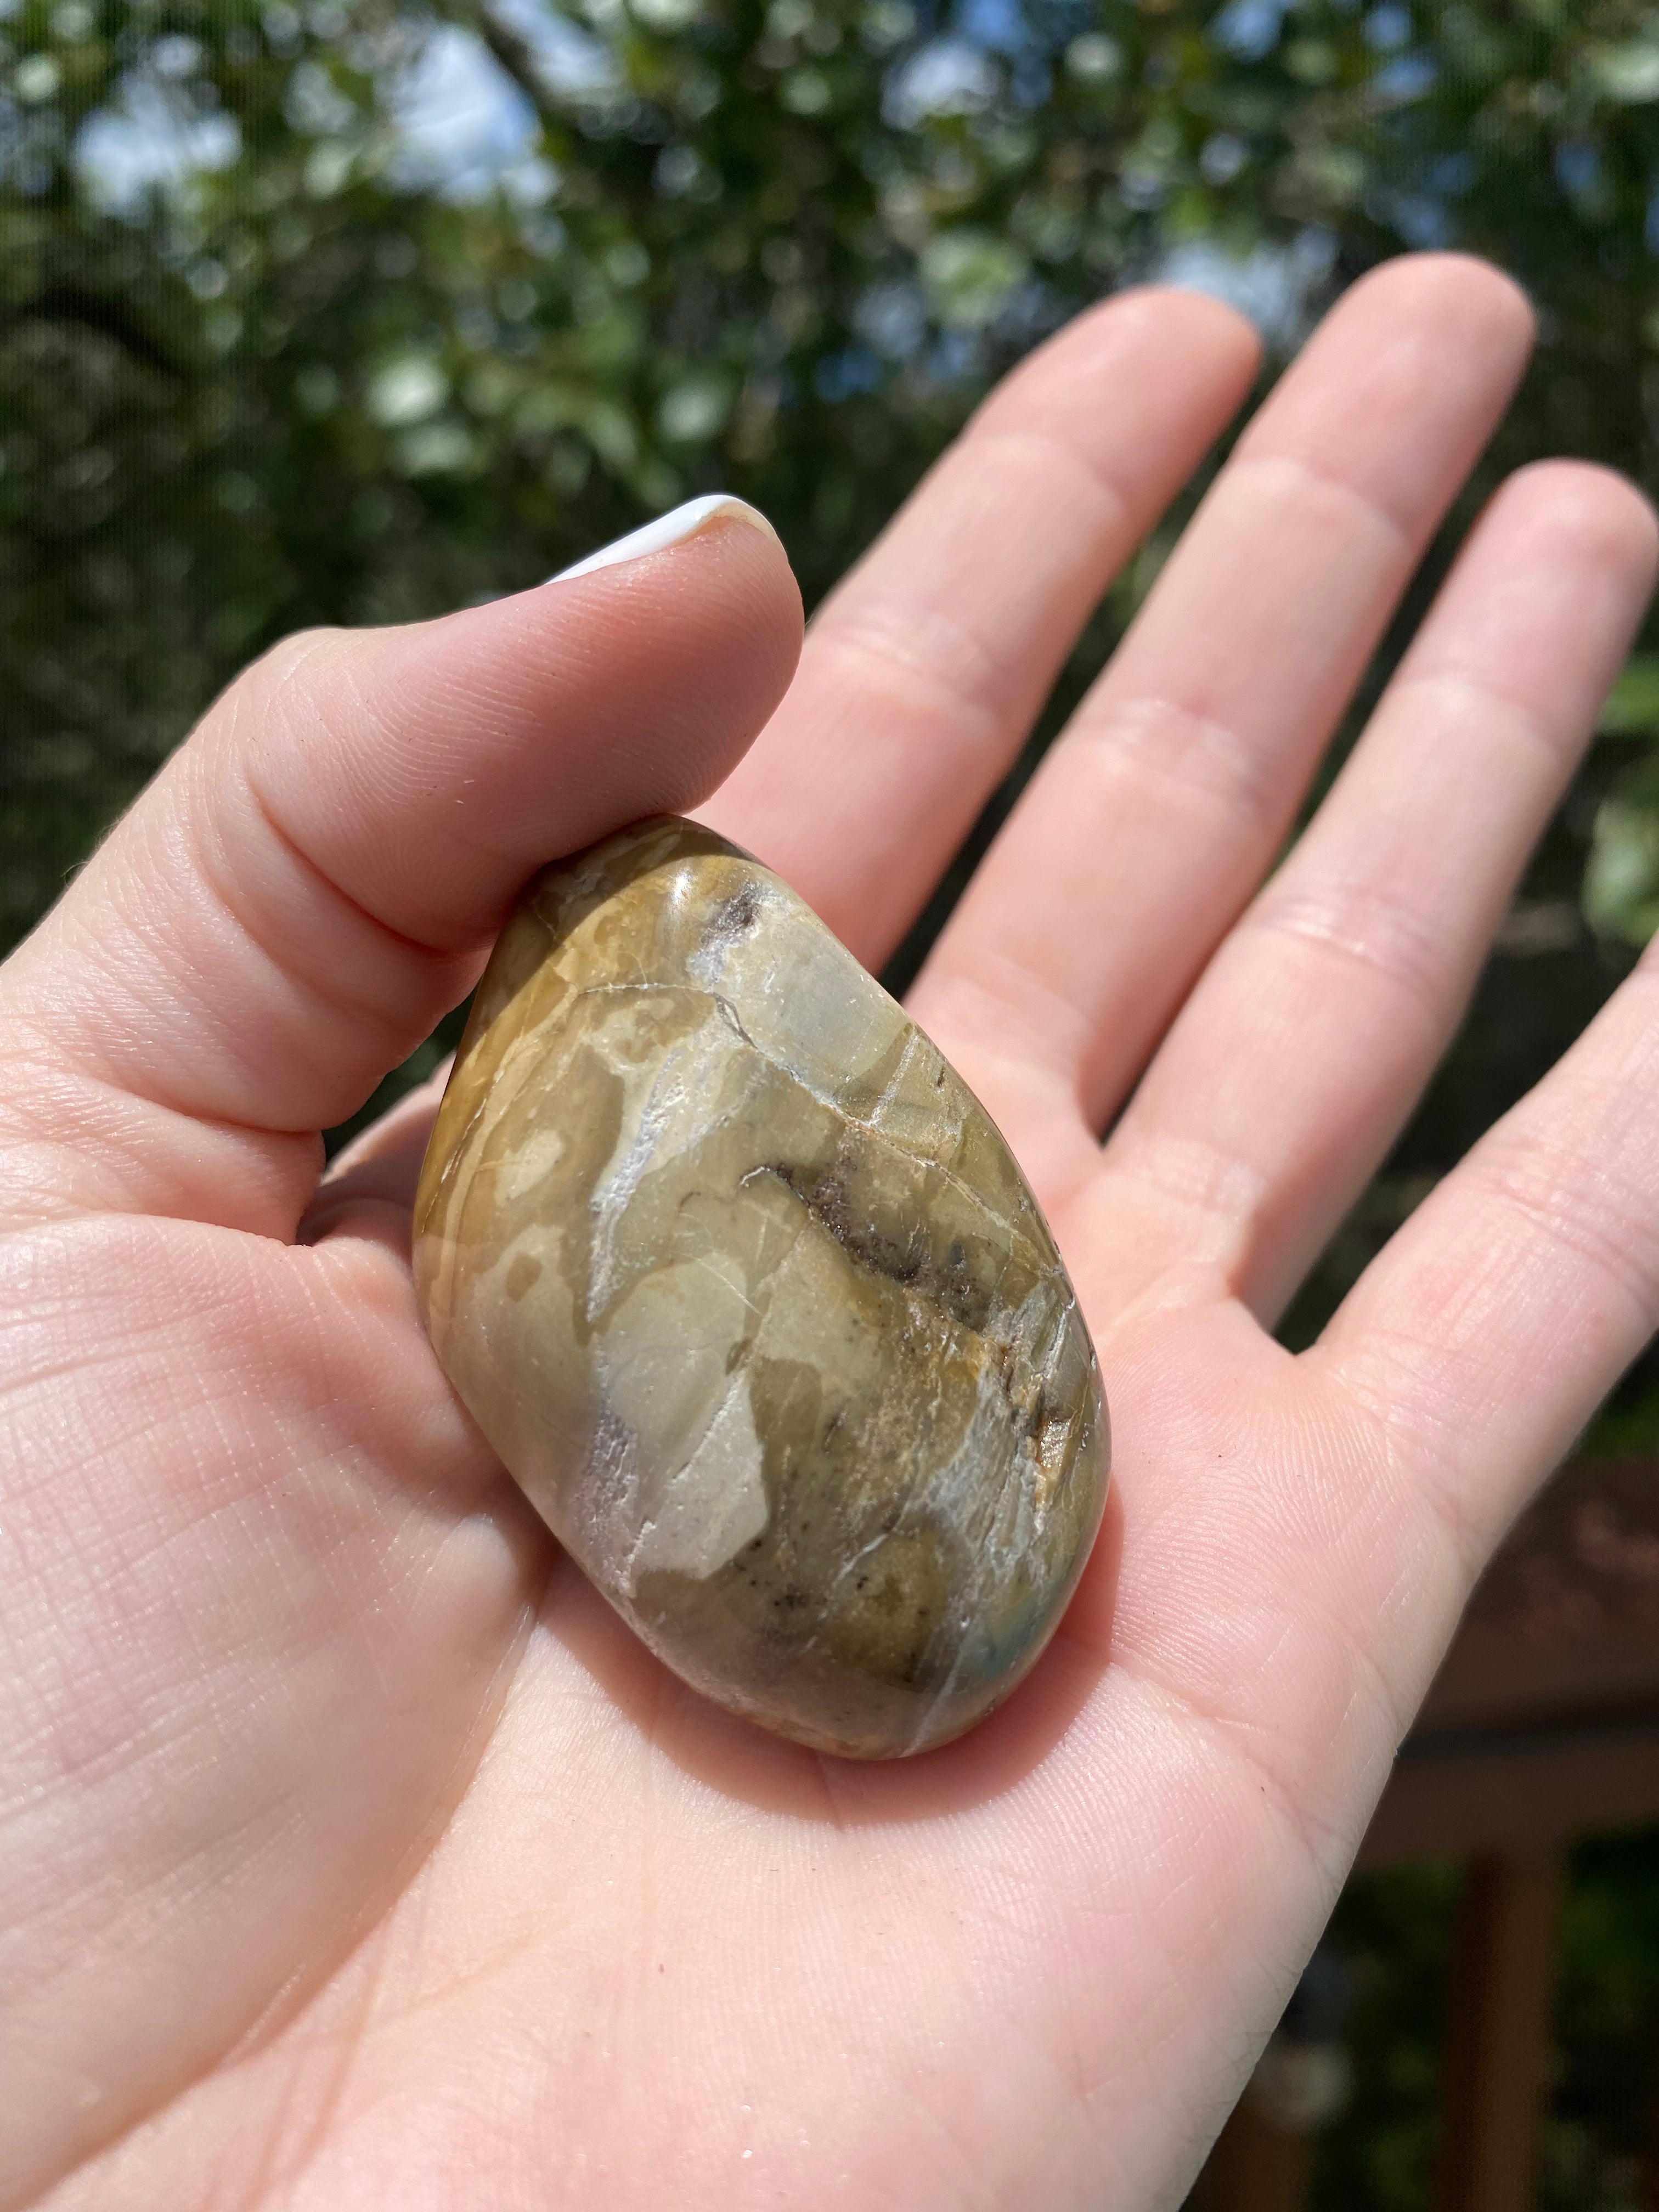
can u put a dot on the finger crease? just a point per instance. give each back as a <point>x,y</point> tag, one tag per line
<point>952,670</point>
<point>1391,937</point>
<point>432,955</point>
<point>1309,476</point>
<point>1157,739</point>
<point>1071,460</point>
<point>1579,1217</point>
<point>1487,700</point>
<point>1413,1462</point>
<point>1199,1178</point>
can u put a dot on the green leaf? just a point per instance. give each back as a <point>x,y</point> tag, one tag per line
<point>968,275</point>
<point>1632,708</point>
<point>1628,74</point>
<point>1621,880</point>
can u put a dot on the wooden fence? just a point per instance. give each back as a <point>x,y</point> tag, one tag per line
<point>1542,1726</point>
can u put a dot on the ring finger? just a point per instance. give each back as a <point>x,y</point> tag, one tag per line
<point>1293,1066</point>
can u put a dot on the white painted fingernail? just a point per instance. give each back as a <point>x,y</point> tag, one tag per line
<point>671,529</point>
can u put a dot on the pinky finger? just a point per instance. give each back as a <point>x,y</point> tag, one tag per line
<point>1486,1333</point>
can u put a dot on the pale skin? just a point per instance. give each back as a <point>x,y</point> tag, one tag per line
<point>352,1854</point>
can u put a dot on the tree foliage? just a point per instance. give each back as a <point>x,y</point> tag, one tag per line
<point>357,311</point>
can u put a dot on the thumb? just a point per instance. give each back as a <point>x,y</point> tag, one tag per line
<point>311,882</point>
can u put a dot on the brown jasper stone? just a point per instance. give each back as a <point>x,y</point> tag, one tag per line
<point>747,1292</point>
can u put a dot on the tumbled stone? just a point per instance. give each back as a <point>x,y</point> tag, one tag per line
<point>747,1292</point>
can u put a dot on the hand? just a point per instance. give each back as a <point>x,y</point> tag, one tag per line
<point>353,1854</point>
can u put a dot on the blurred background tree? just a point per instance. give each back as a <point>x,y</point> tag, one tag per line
<point>360,310</point>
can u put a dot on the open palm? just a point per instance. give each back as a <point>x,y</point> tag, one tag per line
<point>352,1854</point>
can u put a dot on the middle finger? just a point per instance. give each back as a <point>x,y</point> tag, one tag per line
<point>1150,823</point>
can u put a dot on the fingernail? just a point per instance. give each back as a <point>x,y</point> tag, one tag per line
<point>671,529</point>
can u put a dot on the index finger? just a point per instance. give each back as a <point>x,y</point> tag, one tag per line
<point>924,670</point>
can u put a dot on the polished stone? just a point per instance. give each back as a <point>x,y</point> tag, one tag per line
<point>746,1289</point>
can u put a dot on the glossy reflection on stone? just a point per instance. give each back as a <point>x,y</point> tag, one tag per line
<point>749,1294</point>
